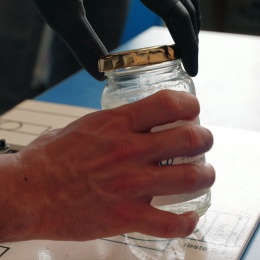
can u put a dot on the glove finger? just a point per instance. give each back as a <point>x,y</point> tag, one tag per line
<point>192,12</point>
<point>198,15</point>
<point>179,24</point>
<point>86,47</point>
<point>67,18</point>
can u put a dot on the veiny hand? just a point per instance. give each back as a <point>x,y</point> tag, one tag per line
<point>96,177</point>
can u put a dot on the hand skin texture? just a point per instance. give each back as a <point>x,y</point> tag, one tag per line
<point>96,177</point>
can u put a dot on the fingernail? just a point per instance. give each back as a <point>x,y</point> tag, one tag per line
<point>194,219</point>
<point>193,216</point>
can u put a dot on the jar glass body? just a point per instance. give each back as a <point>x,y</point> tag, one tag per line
<point>128,85</point>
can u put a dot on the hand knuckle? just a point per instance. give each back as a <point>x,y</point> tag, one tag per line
<point>192,137</point>
<point>168,102</point>
<point>168,229</point>
<point>115,121</point>
<point>125,150</point>
<point>190,177</point>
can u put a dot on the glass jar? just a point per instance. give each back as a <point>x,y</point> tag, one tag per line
<point>136,74</point>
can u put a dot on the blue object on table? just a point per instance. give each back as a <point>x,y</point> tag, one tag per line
<point>89,91</point>
<point>252,249</point>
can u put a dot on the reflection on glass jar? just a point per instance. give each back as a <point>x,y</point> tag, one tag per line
<point>136,74</point>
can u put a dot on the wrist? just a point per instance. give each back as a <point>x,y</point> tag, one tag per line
<point>17,219</point>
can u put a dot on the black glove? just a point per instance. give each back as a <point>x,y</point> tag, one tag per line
<point>68,19</point>
<point>183,21</point>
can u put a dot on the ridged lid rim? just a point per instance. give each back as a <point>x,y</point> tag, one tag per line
<point>137,57</point>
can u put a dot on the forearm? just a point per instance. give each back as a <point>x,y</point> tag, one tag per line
<point>16,216</point>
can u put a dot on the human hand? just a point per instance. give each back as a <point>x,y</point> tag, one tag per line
<point>97,176</point>
<point>183,20</point>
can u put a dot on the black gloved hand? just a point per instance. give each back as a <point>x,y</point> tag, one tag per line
<point>68,19</point>
<point>182,18</point>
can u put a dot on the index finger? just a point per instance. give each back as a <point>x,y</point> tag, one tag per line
<point>165,106</point>
<point>180,26</point>
<point>178,21</point>
<point>198,16</point>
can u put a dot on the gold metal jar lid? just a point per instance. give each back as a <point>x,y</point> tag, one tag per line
<point>138,57</point>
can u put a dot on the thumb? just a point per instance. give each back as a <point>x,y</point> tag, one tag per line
<point>164,224</point>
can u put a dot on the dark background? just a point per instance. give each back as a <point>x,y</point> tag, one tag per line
<point>24,40</point>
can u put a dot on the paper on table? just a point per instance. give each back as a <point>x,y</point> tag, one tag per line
<point>222,233</point>
<point>33,118</point>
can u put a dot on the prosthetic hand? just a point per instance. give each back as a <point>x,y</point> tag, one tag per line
<point>68,19</point>
<point>183,20</point>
